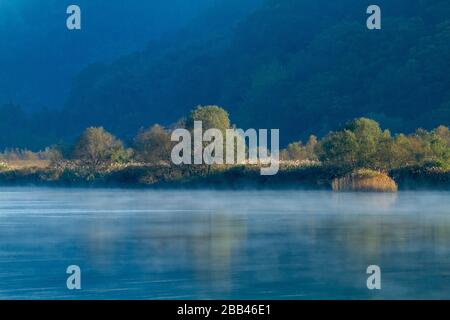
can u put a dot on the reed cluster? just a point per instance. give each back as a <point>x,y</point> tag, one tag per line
<point>365,180</point>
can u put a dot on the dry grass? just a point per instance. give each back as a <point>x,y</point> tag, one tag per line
<point>24,164</point>
<point>365,180</point>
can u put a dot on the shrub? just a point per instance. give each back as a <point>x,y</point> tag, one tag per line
<point>153,145</point>
<point>96,148</point>
<point>4,166</point>
<point>365,180</point>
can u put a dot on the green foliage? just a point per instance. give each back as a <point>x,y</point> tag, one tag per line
<point>359,144</point>
<point>212,117</point>
<point>300,66</point>
<point>362,144</point>
<point>296,151</point>
<point>153,145</point>
<point>4,166</point>
<point>369,139</point>
<point>96,148</point>
<point>339,149</point>
<point>121,155</point>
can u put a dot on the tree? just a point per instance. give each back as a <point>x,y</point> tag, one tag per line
<point>357,146</point>
<point>439,144</point>
<point>297,151</point>
<point>339,149</point>
<point>96,148</point>
<point>368,137</point>
<point>212,117</point>
<point>311,147</point>
<point>153,145</point>
<point>385,155</point>
<point>443,133</point>
<point>53,154</point>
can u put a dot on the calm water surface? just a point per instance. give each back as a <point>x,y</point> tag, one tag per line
<point>222,245</point>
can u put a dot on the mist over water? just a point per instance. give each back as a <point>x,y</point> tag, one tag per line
<point>237,245</point>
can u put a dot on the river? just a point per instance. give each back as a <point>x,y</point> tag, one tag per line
<point>146,244</point>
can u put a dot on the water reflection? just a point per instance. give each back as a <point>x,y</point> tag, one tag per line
<point>243,245</point>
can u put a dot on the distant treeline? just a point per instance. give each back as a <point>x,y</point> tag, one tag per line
<point>361,143</point>
<point>310,65</point>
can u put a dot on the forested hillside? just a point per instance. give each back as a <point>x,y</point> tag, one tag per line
<point>301,66</point>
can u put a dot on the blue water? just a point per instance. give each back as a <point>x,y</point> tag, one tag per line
<point>223,245</point>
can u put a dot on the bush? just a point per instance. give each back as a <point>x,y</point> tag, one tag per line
<point>153,145</point>
<point>4,166</point>
<point>365,180</point>
<point>96,148</point>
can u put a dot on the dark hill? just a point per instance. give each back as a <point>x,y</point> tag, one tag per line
<point>301,66</point>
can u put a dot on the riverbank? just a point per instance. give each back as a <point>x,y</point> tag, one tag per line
<point>312,176</point>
